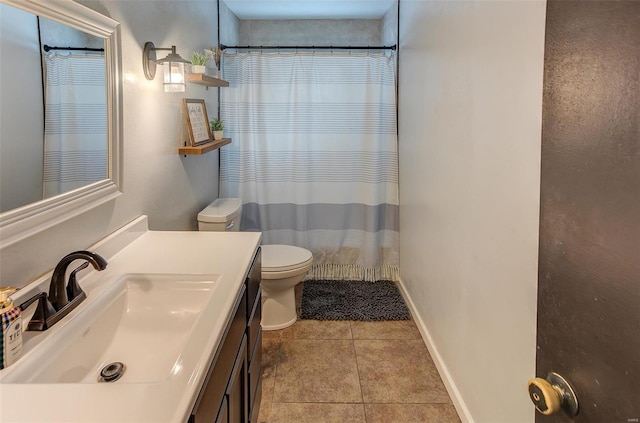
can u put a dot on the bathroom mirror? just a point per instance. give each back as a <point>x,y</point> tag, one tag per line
<point>24,217</point>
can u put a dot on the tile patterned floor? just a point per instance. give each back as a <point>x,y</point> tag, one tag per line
<point>346,371</point>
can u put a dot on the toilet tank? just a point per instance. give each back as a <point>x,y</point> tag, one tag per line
<point>221,215</point>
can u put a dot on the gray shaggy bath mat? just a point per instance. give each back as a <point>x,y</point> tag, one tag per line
<point>352,300</point>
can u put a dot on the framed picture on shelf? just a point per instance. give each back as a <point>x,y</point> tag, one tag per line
<point>197,121</point>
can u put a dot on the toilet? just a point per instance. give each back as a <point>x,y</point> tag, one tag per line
<point>283,266</point>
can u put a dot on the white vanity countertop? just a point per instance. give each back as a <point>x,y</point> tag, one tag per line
<point>229,254</point>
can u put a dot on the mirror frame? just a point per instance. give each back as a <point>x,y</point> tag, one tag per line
<point>23,222</point>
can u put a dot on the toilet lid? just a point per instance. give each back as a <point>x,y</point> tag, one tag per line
<point>221,210</point>
<point>280,258</point>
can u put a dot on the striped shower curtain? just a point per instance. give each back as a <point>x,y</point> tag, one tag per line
<point>75,128</point>
<point>314,156</point>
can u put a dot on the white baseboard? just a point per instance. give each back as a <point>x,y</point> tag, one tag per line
<point>449,383</point>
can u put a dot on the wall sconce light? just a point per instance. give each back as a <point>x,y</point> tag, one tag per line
<point>173,64</point>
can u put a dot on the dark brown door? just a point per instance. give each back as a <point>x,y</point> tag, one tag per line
<point>589,270</point>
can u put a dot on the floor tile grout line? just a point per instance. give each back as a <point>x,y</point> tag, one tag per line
<point>355,352</point>
<point>319,403</point>
<point>360,403</point>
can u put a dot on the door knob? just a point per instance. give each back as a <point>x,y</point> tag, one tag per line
<point>552,395</point>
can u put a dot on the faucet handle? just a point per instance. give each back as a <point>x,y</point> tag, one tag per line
<point>73,288</point>
<point>40,319</point>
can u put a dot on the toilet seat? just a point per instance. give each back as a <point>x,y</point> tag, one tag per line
<point>284,258</point>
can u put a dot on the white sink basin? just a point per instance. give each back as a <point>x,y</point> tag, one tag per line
<point>144,321</point>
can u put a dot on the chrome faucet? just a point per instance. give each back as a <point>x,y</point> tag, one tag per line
<point>63,297</point>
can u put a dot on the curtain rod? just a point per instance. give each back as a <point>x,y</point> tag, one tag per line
<point>47,48</point>
<point>393,47</point>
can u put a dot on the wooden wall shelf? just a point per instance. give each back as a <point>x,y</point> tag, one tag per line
<point>203,148</point>
<point>206,80</point>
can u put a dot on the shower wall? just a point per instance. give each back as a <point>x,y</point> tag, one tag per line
<point>390,27</point>
<point>229,26</point>
<point>311,32</point>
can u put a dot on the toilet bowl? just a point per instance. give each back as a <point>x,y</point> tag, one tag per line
<point>283,266</point>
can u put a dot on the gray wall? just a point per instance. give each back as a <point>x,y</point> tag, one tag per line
<point>470,122</point>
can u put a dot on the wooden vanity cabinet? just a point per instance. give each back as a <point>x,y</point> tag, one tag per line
<point>232,390</point>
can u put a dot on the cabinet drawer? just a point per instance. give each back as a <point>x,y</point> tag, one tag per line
<point>253,281</point>
<point>212,394</point>
<point>255,368</point>
<point>237,395</point>
<point>223,414</point>
<point>254,411</point>
<point>253,324</point>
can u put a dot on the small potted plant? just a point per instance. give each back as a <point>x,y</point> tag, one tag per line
<point>217,126</point>
<point>198,61</point>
